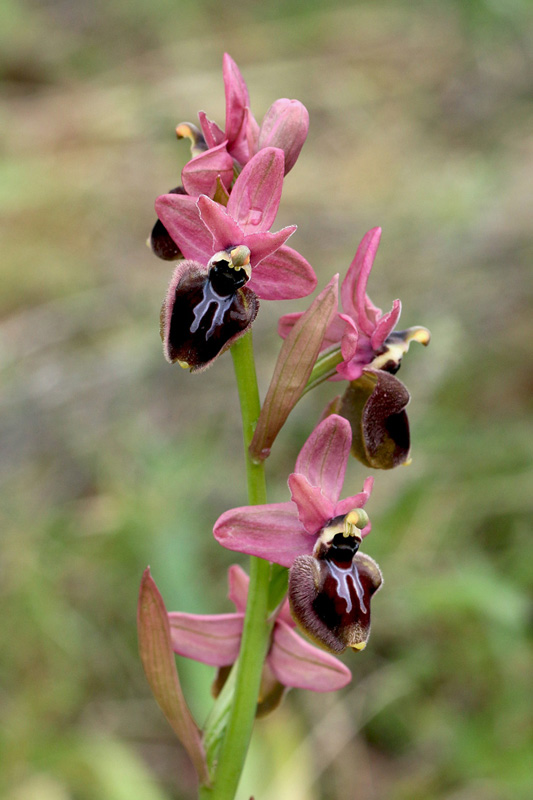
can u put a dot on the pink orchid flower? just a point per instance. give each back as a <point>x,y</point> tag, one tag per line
<point>285,125</point>
<point>363,331</point>
<point>317,535</point>
<point>290,662</point>
<point>201,228</point>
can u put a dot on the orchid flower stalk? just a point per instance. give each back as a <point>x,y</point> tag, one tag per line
<point>308,579</point>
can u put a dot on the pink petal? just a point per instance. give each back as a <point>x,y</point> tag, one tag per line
<point>356,501</point>
<point>160,668</point>
<point>285,125</point>
<point>324,456</point>
<point>299,664</point>
<point>199,175</point>
<point>238,587</point>
<point>213,639</point>
<point>180,216</point>
<point>271,531</point>
<point>353,290</point>
<point>385,326</point>
<point>314,509</point>
<point>265,244</point>
<point>283,275</point>
<point>255,197</point>
<point>213,135</point>
<point>237,97</point>
<point>224,230</point>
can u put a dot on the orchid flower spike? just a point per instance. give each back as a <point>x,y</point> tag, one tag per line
<point>290,662</point>
<point>285,126</point>
<point>317,535</point>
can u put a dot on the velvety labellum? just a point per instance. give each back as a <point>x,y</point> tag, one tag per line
<point>330,594</point>
<point>205,312</point>
<point>374,405</point>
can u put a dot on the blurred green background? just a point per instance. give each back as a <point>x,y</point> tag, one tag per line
<point>421,122</point>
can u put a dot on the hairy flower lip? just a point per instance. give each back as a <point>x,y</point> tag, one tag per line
<point>198,323</point>
<point>331,600</point>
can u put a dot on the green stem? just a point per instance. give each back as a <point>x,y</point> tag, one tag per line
<point>256,630</point>
<point>324,368</point>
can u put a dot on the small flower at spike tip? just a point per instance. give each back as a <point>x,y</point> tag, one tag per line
<point>285,125</point>
<point>371,354</point>
<point>290,662</point>
<point>317,535</point>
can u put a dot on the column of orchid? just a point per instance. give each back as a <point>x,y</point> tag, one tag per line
<point>306,572</point>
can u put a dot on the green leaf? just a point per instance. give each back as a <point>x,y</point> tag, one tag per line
<point>295,363</point>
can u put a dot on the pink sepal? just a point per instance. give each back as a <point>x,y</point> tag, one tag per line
<point>213,134</point>
<point>238,587</point>
<point>299,664</point>
<point>237,97</point>
<point>212,639</point>
<point>353,289</point>
<point>180,216</point>
<point>244,145</point>
<point>285,615</point>
<point>314,509</point>
<point>273,532</point>
<point>323,458</point>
